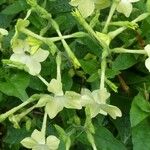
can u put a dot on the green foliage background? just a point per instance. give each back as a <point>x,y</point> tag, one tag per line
<point>131,131</point>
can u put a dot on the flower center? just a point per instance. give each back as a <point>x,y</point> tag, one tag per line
<point>27,53</point>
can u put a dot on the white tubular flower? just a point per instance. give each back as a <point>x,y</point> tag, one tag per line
<point>22,55</point>
<point>125,7</point>
<point>147,61</point>
<point>96,102</point>
<point>37,141</point>
<point>86,7</point>
<point>60,100</point>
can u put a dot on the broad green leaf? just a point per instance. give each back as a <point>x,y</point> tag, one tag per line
<point>104,140</point>
<point>89,66</point>
<point>15,86</point>
<point>123,61</point>
<point>140,110</point>
<point>141,135</point>
<point>148,5</point>
<point>15,8</point>
<point>14,136</point>
<point>5,20</point>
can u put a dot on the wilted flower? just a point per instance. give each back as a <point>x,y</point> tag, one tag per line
<point>86,7</point>
<point>125,7</point>
<point>96,102</point>
<point>23,55</point>
<point>37,141</point>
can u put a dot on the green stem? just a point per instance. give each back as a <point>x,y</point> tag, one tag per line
<point>52,39</point>
<point>88,28</point>
<point>123,50</point>
<point>102,76</point>
<point>69,51</point>
<point>10,112</point>
<point>113,34</point>
<point>58,62</point>
<point>26,112</point>
<point>111,12</point>
<point>43,80</point>
<point>43,130</point>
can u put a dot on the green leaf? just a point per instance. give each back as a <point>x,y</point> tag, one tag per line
<point>104,140</point>
<point>124,61</point>
<point>141,135</point>
<point>14,136</point>
<point>15,8</point>
<point>140,110</point>
<point>15,86</point>
<point>89,66</point>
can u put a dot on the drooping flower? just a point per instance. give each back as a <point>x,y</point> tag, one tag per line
<point>22,55</point>
<point>86,7</point>
<point>96,102</point>
<point>125,7</point>
<point>147,61</point>
<point>37,141</point>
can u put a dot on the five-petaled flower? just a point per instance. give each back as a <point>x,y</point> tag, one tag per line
<point>37,141</point>
<point>125,7</point>
<point>96,102</point>
<point>59,100</point>
<point>23,55</point>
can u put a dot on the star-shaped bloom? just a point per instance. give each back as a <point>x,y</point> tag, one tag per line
<point>125,7</point>
<point>96,102</point>
<point>59,100</point>
<point>23,55</point>
<point>86,7</point>
<point>37,141</point>
<point>147,61</point>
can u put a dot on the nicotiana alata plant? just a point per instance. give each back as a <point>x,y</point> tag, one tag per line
<point>30,49</point>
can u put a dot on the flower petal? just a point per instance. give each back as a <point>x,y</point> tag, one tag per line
<point>55,87</point>
<point>74,2</point>
<point>95,110</point>
<point>3,31</point>
<point>147,63</point>
<point>52,142</point>
<point>86,7</point>
<point>72,100</point>
<point>43,100</point>
<point>38,136</point>
<point>53,107</point>
<point>102,4</point>
<point>147,49</point>
<point>86,97</point>
<point>40,147</point>
<point>20,46</point>
<point>40,55</point>
<point>28,142</point>
<point>132,1</point>
<point>34,67</point>
<point>113,111</point>
<point>21,58</point>
<point>125,7</point>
